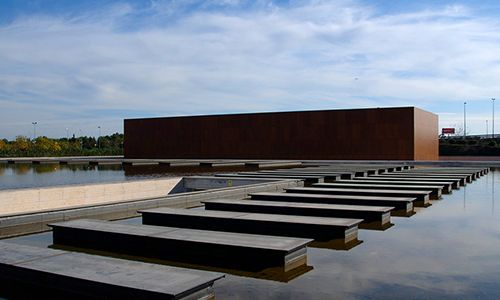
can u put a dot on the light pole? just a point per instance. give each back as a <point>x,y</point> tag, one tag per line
<point>99,139</point>
<point>493,120</point>
<point>465,120</point>
<point>30,134</point>
<point>81,139</point>
<point>486,128</point>
<point>34,133</point>
<point>67,138</point>
<point>34,129</point>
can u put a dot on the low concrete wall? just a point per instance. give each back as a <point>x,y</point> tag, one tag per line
<point>193,183</point>
<point>28,223</point>
<point>47,198</point>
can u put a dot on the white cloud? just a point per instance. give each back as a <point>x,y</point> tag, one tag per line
<point>268,57</point>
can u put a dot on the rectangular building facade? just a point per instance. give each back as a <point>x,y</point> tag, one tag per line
<point>405,133</point>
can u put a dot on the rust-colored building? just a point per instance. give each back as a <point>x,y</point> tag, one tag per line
<point>403,133</point>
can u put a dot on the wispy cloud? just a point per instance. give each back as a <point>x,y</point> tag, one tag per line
<point>190,57</point>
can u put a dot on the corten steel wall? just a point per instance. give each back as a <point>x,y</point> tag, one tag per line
<point>426,135</point>
<point>356,134</point>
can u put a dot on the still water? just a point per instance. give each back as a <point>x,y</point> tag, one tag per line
<point>450,250</point>
<point>19,176</point>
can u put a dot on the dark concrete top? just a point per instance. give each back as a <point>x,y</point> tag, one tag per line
<point>286,244</point>
<point>304,205</point>
<point>163,279</point>
<point>312,176</point>
<point>397,182</point>
<point>298,193</point>
<point>375,185</point>
<point>334,188</point>
<point>416,177</point>
<point>256,216</point>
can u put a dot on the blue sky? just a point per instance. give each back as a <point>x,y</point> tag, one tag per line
<point>84,64</point>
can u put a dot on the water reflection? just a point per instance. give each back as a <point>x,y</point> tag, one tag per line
<point>26,175</point>
<point>492,193</point>
<point>442,252</point>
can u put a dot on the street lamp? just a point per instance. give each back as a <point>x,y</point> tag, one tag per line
<point>81,139</point>
<point>99,140</point>
<point>465,120</point>
<point>67,138</point>
<point>493,119</point>
<point>34,129</point>
<point>34,133</point>
<point>486,128</point>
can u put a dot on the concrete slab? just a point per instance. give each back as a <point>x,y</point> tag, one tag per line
<point>446,186</point>
<point>422,193</point>
<point>317,228</point>
<point>416,177</point>
<point>326,175</point>
<point>402,205</point>
<point>139,162</point>
<point>222,163</point>
<point>455,183</point>
<point>178,163</point>
<point>378,216</point>
<point>224,249</point>
<point>469,176</point>
<point>38,272</point>
<point>306,178</point>
<point>275,163</point>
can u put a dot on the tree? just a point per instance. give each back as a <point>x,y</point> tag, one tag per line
<point>4,145</point>
<point>43,142</point>
<point>21,143</point>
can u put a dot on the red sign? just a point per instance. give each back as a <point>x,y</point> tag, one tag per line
<point>448,131</point>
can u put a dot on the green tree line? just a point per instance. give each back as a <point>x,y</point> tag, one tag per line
<point>469,147</point>
<point>42,146</point>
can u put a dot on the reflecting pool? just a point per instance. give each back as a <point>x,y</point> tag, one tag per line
<point>450,250</point>
<point>19,176</point>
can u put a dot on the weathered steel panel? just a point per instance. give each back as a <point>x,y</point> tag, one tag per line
<point>357,134</point>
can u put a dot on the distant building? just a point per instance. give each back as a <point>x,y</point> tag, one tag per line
<point>403,133</point>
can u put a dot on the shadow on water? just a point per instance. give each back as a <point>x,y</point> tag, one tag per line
<point>252,271</point>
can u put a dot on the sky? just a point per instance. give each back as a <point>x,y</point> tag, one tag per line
<point>91,63</point>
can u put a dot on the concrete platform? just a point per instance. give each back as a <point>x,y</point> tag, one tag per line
<point>222,163</point>
<point>139,162</point>
<point>178,163</point>
<point>317,228</point>
<point>419,192</point>
<point>44,161</point>
<point>273,163</point>
<point>374,217</point>
<point>326,175</point>
<point>220,249</point>
<point>402,205</point>
<point>455,183</point>
<point>416,177</point>
<point>306,178</point>
<point>469,176</point>
<point>446,186</point>
<point>464,179</point>
<point>34,273</point>
<point>478,171</point>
